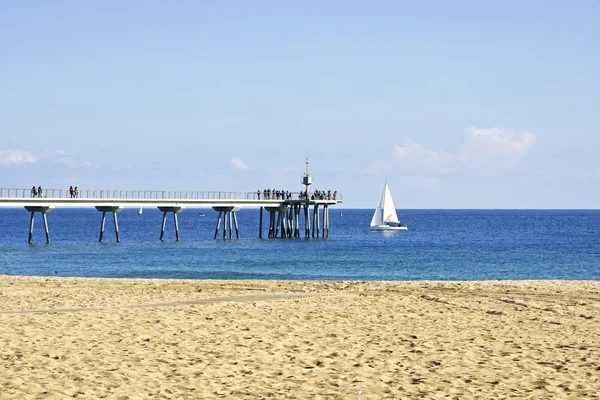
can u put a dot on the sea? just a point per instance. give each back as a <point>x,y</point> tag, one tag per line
<point>439,245</point>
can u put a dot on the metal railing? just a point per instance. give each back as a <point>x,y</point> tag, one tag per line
<point>157,194</point>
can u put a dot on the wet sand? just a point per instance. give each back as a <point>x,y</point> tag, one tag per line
<point>177,339</point>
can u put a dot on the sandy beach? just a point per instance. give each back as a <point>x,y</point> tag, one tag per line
<point>176,339</point>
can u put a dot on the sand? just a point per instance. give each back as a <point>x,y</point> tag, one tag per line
<point>175,339</point>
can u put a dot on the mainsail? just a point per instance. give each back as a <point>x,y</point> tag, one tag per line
<point>385,211</point>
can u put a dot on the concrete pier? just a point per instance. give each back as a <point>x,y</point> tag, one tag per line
<point>43,210</point>
<point>114,210</point>
<point>284,213</point>
<point>229,219</point>
<point>173,210</point>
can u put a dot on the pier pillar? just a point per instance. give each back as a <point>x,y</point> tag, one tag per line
<point>176,226</point>
<point>278,221</point>
<point>116,226</point>
<point>43,210</point>
<point>318,225</point>
<point>260,222</point>
<point>271,224</point>
<point>46,227</point>
<point>229,218</point>
<point>114,210</point>
<point>290,218</point>
<point>315,231</point>
<point>31,220</point>
<point>297,220</point>
<point>102,226</point>
<point>218,224</point>
<point>174,210</point>
<point>284,223</point>
<point>237,231</point>
<point>306,220</point>
<point>278,226</point>
<point>326,221</point>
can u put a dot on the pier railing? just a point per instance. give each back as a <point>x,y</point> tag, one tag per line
<point>154,194</point>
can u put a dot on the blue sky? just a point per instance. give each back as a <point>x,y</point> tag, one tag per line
<point>465,104</point>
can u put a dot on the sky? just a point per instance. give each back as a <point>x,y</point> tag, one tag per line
<point>462,104</point>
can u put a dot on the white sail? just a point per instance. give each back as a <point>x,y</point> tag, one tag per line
<point>385,213</point>
<point>378,215</point>
<point>140,212</point>
<point>389,210</point>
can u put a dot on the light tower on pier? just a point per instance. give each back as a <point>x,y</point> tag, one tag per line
<point>306,179</point>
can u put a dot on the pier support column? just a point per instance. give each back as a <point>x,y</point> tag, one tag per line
<point>43,210</point>
<point>174,210</point>
<point>307,220</point>
<point>271,224</point>
<point>164,225</point>
<point>326,221</point>
<point>318,225</point>
<point>315,231</point>
<point>260,229</point>
<point>114,210</point>
<point>235,223</point>
<point>46,227</point>
<point>116,221</point>
<point>102,225</point>
<point>297,220</point>
<point>284,223</point>
<point>31,220</point>
<point>229,219</point>
<point>218,224</point>
<point>290,218</point>
<point>277,221</point>
<point>176,226</point>
<point>278,226</point>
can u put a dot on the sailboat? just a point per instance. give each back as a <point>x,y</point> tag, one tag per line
<point>385,217</point>
<point>140,212</point>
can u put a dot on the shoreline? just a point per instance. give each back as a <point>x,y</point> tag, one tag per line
<point>175,338</point>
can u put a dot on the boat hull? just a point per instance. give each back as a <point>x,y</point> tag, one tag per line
<point>389,228</point>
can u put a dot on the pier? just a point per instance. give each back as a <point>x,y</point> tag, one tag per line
<point>284,215</point>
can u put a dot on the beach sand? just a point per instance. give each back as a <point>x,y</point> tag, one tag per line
<point>183,339</point>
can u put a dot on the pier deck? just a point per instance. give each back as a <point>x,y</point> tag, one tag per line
<point>284,211</point>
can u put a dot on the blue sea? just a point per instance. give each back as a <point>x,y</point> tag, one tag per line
<point>439,245</point>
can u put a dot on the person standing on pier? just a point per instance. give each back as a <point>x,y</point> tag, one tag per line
<point>40,191</point>
<point>71,191</point>
<point>258,194</point>
<point>33,191</point>
<point>76,192</point>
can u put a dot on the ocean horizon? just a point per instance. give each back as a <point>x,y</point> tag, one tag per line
<point>441,244</point>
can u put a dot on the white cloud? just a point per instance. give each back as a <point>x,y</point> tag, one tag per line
<point>16,157</point>
<point>417,153</point>
<point>89,164</point>
<point>61,152</point>
<point>238,164</point>
<point>68,161</point>
<point>496,142</point>
<point>494,147</point>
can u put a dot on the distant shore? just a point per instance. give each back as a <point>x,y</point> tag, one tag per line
<point>194,339</point>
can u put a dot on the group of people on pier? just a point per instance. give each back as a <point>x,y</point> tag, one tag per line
<point>73,192</point>
<point>319,195</point>
<point>275,194</point>
<point>36,192</point>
